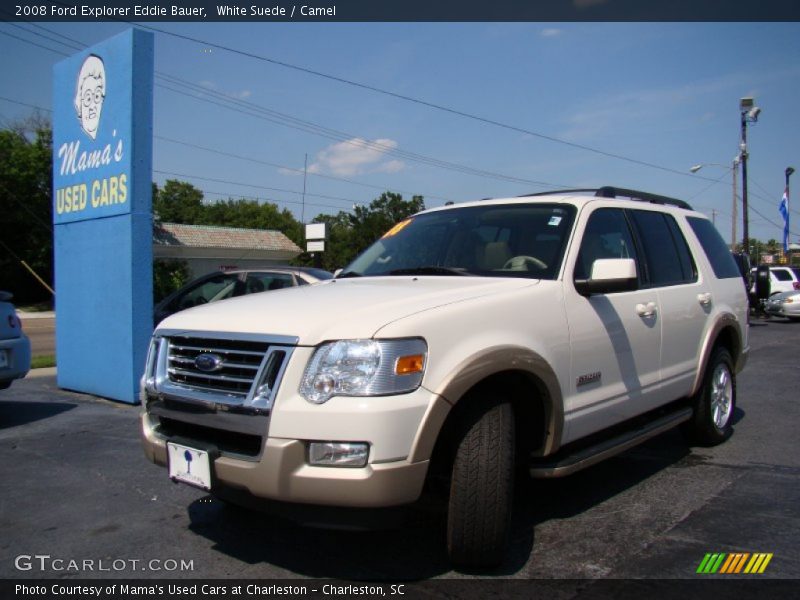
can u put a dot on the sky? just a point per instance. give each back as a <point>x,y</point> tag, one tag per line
<point>568,96</point>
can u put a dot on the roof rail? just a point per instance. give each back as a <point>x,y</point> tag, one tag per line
<point>608,191</point>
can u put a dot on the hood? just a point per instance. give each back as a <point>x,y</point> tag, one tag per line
<point>338,309</point>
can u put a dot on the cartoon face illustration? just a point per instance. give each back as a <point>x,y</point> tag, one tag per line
<point>90,90</point>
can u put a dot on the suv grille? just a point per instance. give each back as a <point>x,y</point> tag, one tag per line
<point>233,364</point>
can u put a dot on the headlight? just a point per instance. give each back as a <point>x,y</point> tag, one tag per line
<point>364,368</point>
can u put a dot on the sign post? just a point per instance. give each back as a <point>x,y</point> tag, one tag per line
<point>102,215</point>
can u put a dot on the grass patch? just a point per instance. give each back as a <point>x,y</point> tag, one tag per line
<point>42,362</point>
<point>35,308</point>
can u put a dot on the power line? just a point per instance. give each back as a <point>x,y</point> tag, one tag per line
<point>316,129</point>
<point>249,185</point>
<point>264,199</point>
<point>25,104</point>
<point>33,43</point>
<point>293,169</point>
<point>261,112</point>
<point>415,100</point>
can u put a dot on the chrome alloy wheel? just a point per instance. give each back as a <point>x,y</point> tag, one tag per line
<point>721,396</point>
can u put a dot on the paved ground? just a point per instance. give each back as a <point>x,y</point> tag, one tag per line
<point>76,486</point>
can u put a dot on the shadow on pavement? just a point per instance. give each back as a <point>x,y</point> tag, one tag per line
<point>14,413</point>
<point>417,551</point>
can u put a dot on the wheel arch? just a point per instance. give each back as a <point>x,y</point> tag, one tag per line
<point>726,332</point>
<point>521,375</point>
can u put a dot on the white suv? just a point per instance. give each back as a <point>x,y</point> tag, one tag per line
<point>546,331</point>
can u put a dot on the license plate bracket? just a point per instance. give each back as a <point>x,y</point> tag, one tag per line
<point>191,462</point>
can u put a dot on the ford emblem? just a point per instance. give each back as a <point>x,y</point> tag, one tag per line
<point>208,363</point>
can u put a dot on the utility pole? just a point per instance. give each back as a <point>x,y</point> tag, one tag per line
<point>749,113</point>
<point>788,173</point>
<point>305,174</point>
<point>735,211</point>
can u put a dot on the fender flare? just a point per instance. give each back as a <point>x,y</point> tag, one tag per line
<point>478,367</point>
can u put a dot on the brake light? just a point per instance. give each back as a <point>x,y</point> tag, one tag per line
<point>796,285</point>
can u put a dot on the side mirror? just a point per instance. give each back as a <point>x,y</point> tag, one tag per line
<point>609,275</point>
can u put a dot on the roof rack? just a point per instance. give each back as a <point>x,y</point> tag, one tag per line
<point>608,191</point>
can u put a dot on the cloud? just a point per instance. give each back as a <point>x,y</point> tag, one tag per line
<point>243,94</point>
<point>357,156</point>
<point>551,32</point>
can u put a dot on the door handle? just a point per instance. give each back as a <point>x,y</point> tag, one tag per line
<point>704,299</point>
<point>646,310</point>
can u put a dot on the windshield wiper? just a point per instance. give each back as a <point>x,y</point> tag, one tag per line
<point>348,274</point>
<point>428,270</point>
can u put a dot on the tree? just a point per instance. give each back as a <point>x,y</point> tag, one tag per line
<point>26,231</point>
<point>178,202</point>
<point>351,234</point>
<point>168,276</point>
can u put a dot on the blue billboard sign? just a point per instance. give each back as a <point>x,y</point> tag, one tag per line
<point>102,215</point>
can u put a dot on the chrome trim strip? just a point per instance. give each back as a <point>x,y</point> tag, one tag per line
<point>157,375</point>
<point>215,350</point>
<point>249,424</point>
<point>278,340</point>
<point>176,371</point>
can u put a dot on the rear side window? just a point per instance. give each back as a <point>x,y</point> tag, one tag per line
<point>782,275</point>
<point>667,257</point>
<point>715,248</point>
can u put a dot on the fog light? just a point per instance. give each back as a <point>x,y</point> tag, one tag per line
<point>338,454</point>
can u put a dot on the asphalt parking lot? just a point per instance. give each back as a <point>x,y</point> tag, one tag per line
<point>76,486</point>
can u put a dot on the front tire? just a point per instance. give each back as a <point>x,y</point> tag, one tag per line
<point>482,485</point>
<point>714,403</point>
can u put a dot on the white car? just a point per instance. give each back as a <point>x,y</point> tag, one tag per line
<point>15,348</point>
<point>548,332</point>
<point>781,279</point>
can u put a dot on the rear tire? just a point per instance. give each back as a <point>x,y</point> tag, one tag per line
<point>714,403</point>
<point>482,485</point>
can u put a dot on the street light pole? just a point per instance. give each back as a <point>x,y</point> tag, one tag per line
<point>743,154</point>
<point>788,173</point>
<point>735,208</point>
<point>749,113</point>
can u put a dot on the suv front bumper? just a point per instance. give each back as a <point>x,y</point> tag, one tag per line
<point>283,473</point>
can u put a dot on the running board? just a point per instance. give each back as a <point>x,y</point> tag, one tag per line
<point>561,466</point>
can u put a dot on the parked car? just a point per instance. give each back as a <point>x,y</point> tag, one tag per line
<point>781,279</point>
<point>784,304</point>
<point>229,284</point>
<point>469,343</point>
<point>15,347</point>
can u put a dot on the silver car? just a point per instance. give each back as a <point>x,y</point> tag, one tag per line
<point>220,285</point>
<point>15,347</point>
<point>785,304</point>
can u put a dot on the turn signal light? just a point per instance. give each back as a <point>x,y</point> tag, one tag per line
<point>409,364</point>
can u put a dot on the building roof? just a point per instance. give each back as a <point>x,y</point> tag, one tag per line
<point>209,236</point>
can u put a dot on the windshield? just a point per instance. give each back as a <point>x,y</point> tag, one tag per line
<point>520,240</point>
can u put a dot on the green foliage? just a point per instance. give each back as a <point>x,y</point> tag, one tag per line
<point>26,230</point>
<point>168,276</point>
<point>351,234</point>
<point>181,202</point>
